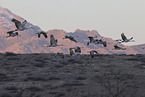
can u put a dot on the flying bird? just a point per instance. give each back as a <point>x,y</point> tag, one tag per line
<point>118,48</point>
<point>71,38</point>
<point>102,42</point>
<point>42,32</point>
<point>124,39</point>
<point>96,41</point>
<point>20,26</point>
<point>12,34</point>
<point>93,53</point>
<point>77,50</point>
<point>91,40</point>
<point>53,42</point>
<point>71,51</point>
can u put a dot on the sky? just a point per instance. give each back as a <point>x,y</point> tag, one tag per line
<point>109,17</point>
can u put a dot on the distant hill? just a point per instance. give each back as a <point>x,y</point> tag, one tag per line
<point>28,42</point>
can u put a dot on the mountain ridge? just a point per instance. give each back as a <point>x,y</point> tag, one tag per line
<point>28,42</point>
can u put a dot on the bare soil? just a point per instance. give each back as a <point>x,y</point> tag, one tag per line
<point>47,75</point>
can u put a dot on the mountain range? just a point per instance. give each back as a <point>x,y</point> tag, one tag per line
<point>28,42</point>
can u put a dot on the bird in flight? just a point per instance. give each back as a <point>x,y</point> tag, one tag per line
<point>77,50</point>
<point>71,38</point>
<point>118,48</point>
<point>20,26</point>
<point>12,34</point>
<point>124,39</point>
<point>53,41</point>
<point>96,41</point>
<point>93,53</point>
<point>43,33</point>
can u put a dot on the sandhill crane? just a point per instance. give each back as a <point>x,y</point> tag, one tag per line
<point>71,38</point>
<point>53,42</point>
<point>96,41</point>
<point>92,53</point>
<point>12,34</point>
<point>20,26</point>
<point>71,51</point>
<point>102,42</point>
<point>42,32</point>
<point>77,50</point>
<point>118,48</point>
<point>91,40</point>
<point>124,39</point>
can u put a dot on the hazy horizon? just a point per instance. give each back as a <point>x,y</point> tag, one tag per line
<point>110,18</point>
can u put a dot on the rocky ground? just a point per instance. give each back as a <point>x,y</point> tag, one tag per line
<point>46,75</point>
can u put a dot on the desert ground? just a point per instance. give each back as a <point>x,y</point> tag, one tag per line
<point>47,75</point>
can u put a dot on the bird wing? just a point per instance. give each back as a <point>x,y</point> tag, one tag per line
<point>105,44</point>
<point>24,23</point>
<point>78,49</point>
<point>17,23</point>
<point>10,32</point>
<point>52,40</point>
<point>123,36</point>
<point>116,47</point>
<point>66,36</point>
<point>45,35</point>
<point>72,39</point>
<point>71,51</point>
<point>39,35</point>
<point>118,40</point>
<point>95,52</point>
<point>91,39</point>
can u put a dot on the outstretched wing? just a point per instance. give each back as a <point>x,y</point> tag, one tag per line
<point>77,49</point>
<point>10,32</point>
<point>17,23</point>
<point>39,35</point>
<point>95,51</point>
<point>71,51</point>
<point>24,23</point>
<point>72,39</point>
<point>52,40</point>
<point>105,44</point>
<point>123,37</point>
<point>92,53</point>
<point>45,35</point>
<point>116,47</point>
<point>91,39</point>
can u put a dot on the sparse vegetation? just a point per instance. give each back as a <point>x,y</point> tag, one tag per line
<point>10,54</point>
<point>32,75</point>
<point>117,84</point>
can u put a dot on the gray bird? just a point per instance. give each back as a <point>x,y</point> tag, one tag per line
<point>53,42</point>
<point>91,40</point>
<point>77,50</point>
<point>12,34</point>
<point>20,26</point>
<point>93,53</point>
<point>102,42</point>
<point>71,51</point>
<point>124,39</point>
<point>96,41</point>
<point>118,48</point>
<point>71,38</point>
<point>43,33</point>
